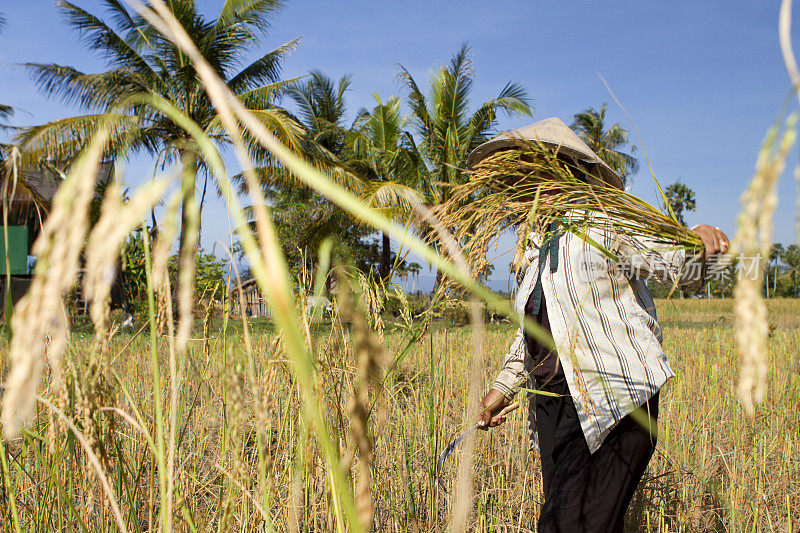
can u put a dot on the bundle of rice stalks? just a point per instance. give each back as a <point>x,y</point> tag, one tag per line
<point>528,188</point>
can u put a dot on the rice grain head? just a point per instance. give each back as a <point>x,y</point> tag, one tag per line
<point>752,243</point>
<point>117,220</point>
<point>40,310</point>
<point>504,191</point>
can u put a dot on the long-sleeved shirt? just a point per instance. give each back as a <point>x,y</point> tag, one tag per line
<point>604,325</point>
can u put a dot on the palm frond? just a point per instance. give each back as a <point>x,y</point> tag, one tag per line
<point>254,13</point>
<point>61,140</point>
<point>90,91</point>
<point>122,18</point>
<point>283,126</point>
<point>96,35</point>
<point>450,88</point>
<point>265,69</point>
<point>396,200</point>
<point>6,111</point>
<point>417,102</point>
<point>263,97</point>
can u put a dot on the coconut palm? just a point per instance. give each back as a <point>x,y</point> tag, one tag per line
<point>380,153</point>
<point>775,253</point>
<point>321,114</point>
<point>305,218</point>
<point>606,142</point>
<point>142,63</point>
<point>447,130</point>
<point>365,157</point>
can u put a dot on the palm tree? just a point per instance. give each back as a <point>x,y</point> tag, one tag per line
<point>680,198</point>
<point>607,143</point>
<point>775,253</point>
<point>322,109</point>
<point>303,217</point>
<point>791,257</point>
<point>366,158</point>
<point>321,113</point>
<point>143,63</point>
<point>380,154</point>
<point>447,130</point>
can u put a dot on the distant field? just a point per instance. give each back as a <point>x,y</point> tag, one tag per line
<point>241,453</point>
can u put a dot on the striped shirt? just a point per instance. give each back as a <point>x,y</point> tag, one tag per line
<point>603,322</point>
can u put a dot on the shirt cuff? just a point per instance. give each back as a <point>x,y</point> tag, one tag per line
<point>507,383</point>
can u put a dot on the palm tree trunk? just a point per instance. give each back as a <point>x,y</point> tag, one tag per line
<point>775,280</point>
<point>766,283</point>
<point>386,257</point>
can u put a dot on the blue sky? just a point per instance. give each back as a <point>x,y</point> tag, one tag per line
<point>702,80</point>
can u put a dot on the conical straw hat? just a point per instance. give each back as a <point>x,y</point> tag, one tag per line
<point>552,132</point>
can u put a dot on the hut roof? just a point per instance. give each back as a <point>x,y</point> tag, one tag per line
<point>38,186</point>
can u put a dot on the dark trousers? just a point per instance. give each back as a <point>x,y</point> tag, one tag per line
<point>584,491</point>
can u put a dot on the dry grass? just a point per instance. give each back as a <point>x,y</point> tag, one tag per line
<point>715,470</point>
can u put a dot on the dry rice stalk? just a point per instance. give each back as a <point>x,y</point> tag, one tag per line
<point>93,461</point>
<point>164,240</point>
<point>57,388</point>
<point>524,188</point>
<point>233,441</point>
<point>369,355</point>
<point>60,395</point>
<point>752,242</point>
<point>186,261</point>
<point>58,248</point>
<point>520,261</point>
<point>374,295</point>
<point>206,323</point>
<point>235,420</point>
<point>303,311</point>
<point>265,414</point>
<point>85,405</point>
<point>117,220</point>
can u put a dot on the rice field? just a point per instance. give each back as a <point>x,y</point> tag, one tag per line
<point>240,455</point>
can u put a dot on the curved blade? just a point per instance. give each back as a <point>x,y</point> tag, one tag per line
<point>448,450</point>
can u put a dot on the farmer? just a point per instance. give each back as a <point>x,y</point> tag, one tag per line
<point>596,425</point>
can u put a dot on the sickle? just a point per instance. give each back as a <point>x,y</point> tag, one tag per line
<point>448,450</point>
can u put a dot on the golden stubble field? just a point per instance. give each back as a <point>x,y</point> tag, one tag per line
<point>241,455</point>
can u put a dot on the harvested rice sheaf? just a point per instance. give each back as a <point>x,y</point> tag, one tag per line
<point>526,188</point>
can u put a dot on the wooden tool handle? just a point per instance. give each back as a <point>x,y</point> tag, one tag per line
<point>507,409</point>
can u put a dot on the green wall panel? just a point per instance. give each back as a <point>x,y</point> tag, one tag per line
<point>18,247</point>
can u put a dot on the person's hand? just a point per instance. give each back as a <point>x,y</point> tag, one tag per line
<point>492,405</point>
<point>714,241</point>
